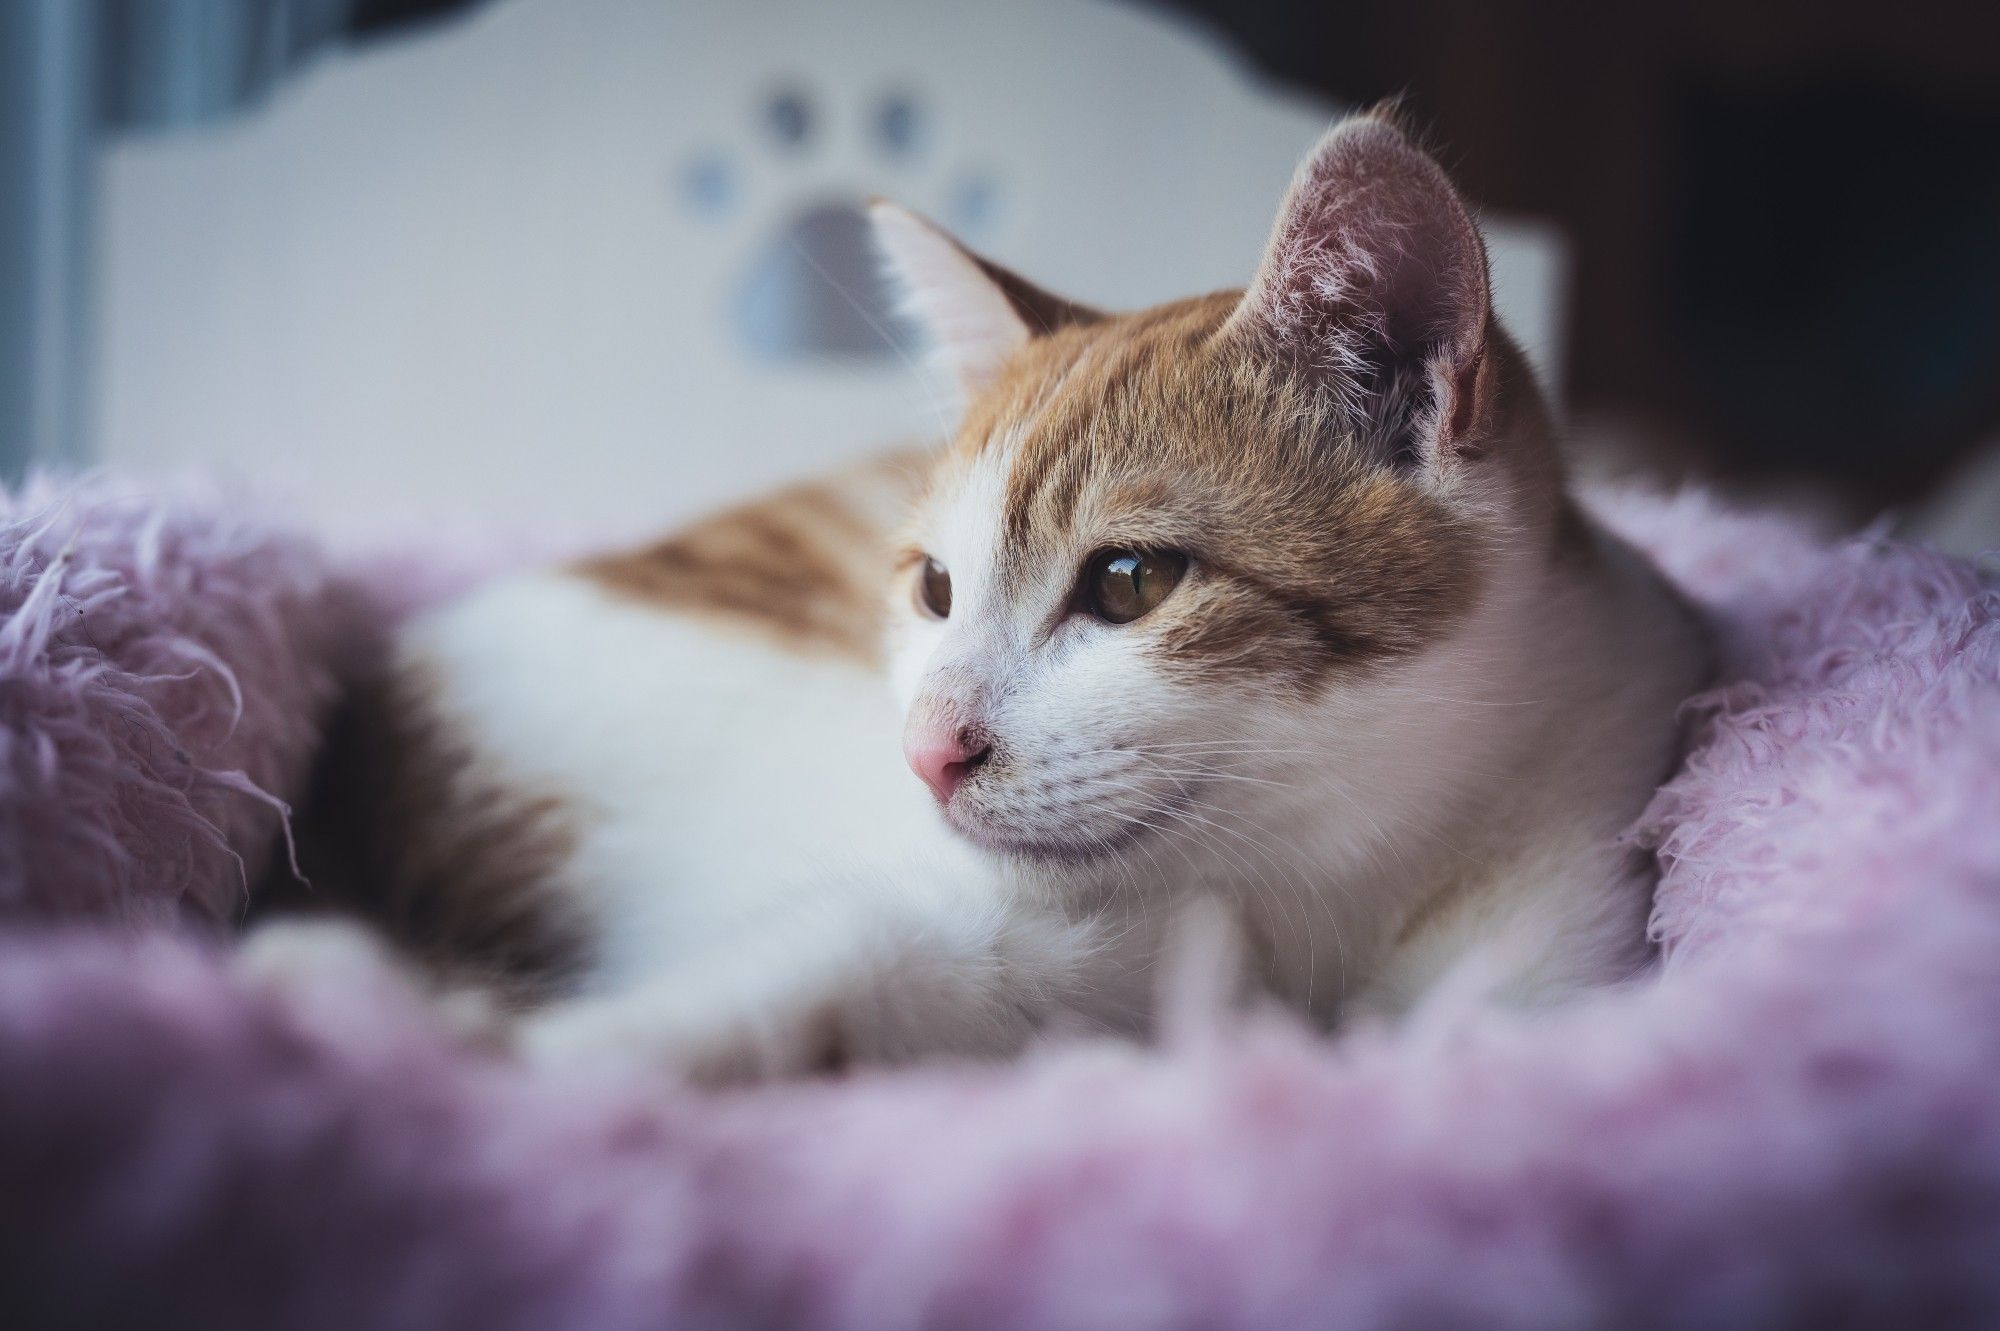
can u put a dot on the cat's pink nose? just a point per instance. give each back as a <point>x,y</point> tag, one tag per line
<point>944,755</point>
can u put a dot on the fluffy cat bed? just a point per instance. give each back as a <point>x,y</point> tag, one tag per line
<point>1797,1122</point>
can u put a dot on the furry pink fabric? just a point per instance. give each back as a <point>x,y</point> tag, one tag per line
<point>162,666</point>
<point>1797,1122</point>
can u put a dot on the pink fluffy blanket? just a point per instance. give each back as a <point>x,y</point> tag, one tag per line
<point>1797,1122</point>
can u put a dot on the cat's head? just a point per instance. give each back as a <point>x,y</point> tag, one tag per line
<point>1168,548</point>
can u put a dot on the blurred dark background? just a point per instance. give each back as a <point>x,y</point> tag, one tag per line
<point>1784,215</point>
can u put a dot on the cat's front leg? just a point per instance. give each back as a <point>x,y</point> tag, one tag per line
<point>834,982</point>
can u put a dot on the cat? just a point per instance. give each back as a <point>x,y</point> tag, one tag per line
<point>1274,599</point>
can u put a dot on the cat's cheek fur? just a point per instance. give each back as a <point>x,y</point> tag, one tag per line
<point>1083,744</point>
<point>913,641</point>
<point>958,532</point>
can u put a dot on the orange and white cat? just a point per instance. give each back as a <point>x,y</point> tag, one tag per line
<point>1274,598</point>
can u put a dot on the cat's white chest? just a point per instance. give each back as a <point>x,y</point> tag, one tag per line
<point>709,775</point>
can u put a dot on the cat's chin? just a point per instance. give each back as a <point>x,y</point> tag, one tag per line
<point>1076,849</point>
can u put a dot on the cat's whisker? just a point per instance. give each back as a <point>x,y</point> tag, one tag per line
<point>1213,774</point>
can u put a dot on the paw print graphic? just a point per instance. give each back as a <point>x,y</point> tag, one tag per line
<point>812,288</point>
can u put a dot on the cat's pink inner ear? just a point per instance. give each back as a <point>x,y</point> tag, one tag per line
<point>975,312</point>
<point>1375,270</point>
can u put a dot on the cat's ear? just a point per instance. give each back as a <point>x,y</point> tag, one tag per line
<point>1375,282</point>
<point>976,312</point>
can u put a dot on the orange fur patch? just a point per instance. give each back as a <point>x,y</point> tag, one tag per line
<point>806,567</point>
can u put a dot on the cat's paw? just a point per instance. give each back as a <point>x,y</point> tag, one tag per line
<point>889,988</point>
<point>680,1030</point>
<point>324,961</point>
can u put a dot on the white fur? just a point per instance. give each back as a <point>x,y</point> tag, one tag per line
<point>693,758</point>
<point>972,325</point>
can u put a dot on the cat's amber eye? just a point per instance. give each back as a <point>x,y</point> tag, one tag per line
<point>1120,585</point>
<point>934,589</point>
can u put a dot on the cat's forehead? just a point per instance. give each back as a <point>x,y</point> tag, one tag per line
<point>1149,428</point>
<point>1100,429</point>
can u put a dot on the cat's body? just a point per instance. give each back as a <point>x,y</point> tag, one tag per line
<point>1273,599</point>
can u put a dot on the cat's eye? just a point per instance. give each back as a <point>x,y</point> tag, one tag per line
<point>1120,585</point>
<point>934,589</point>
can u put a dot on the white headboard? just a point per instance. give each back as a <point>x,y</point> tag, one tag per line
<point>546,261</point>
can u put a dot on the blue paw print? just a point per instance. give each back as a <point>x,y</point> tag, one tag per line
<point>813,290</point>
